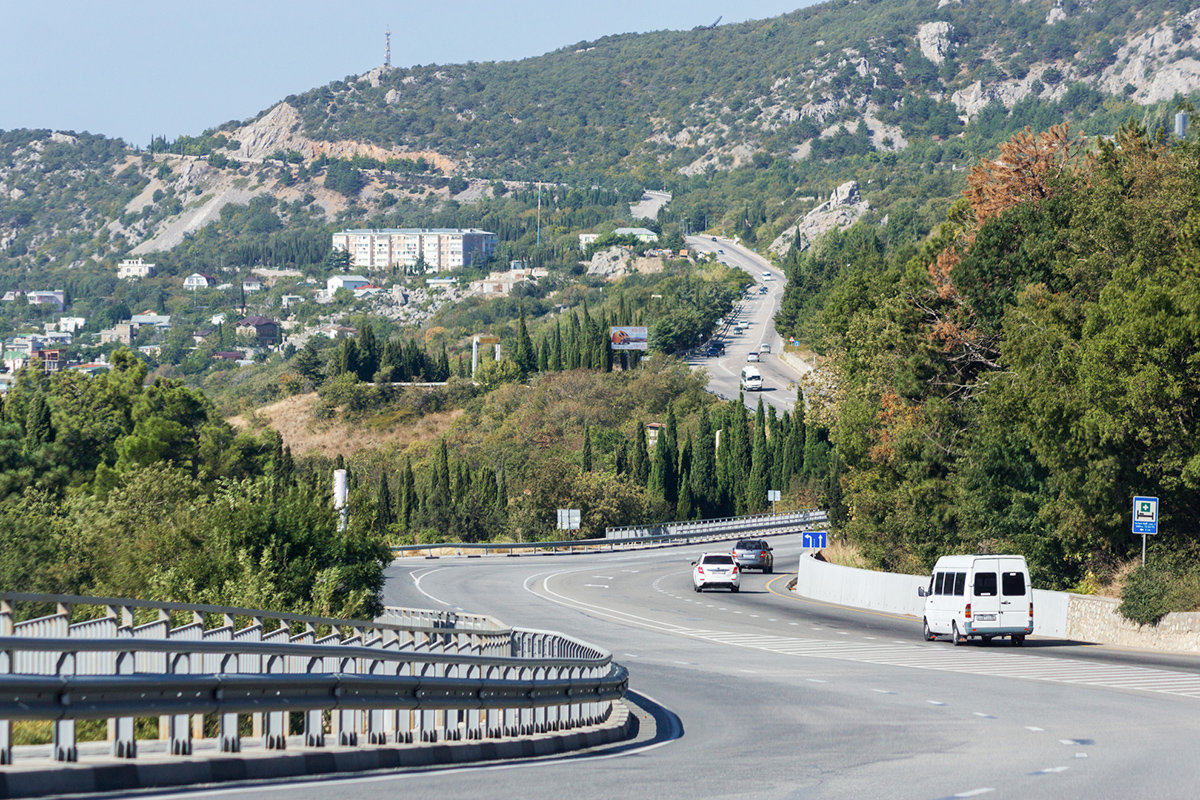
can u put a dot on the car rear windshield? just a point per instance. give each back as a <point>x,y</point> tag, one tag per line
<point>718,559</point>
<point>748,544</point>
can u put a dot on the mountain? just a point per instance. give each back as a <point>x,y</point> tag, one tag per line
<point>749,125</point>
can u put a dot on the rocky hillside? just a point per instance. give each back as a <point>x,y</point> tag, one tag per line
<point>787,107</point>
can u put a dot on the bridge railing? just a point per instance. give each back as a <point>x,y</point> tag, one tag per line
<point>634,536</point>
<point>408,676</point>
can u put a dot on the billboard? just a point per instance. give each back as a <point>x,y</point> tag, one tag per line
<point>628,337</point>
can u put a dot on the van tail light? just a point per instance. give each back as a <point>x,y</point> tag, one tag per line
<point>967,611</point>
<point>1031,609</point>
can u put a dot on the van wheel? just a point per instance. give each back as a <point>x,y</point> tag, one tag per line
<point>1018,641</point>
<point>958,640</point>
<point>929,635</point>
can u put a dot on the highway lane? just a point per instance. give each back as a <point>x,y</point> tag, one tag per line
<point>783,698</point>
<point>779,379</point>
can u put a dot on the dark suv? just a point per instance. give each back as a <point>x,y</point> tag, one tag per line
<point>754,554</point>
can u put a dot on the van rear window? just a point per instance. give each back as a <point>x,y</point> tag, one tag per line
<point>1013,583</point>
<point>985,584</point>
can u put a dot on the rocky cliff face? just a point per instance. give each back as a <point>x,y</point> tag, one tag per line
<point>844,207</point>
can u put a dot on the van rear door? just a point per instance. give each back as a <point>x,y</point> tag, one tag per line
<point>985,593</point>
<point>1015,593</point>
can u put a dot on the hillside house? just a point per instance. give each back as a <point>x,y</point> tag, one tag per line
<point>265,330</point>
<point>252,285</point>
<point>122,333</point>
<point>135,269</point>
<point>350,282</point>
<point>198,280</point>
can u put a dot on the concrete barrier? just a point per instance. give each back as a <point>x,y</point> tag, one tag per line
<point>897,594</point>
<point>1062,615</point>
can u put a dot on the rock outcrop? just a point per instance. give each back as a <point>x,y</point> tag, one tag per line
<point>934,40</point>
<point>843,208</point>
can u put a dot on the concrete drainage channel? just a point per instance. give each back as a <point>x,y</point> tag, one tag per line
<point>29,778</point>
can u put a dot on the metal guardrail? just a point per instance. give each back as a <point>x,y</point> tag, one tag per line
<point>409,676</point>
<point>641,535</point>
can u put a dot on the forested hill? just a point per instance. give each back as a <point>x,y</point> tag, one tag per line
<point>669,101</point>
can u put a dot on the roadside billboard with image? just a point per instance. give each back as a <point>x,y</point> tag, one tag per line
<point>628,337</point>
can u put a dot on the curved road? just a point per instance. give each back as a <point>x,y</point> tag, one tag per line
<point>757,308</point>
<point>778,697</point>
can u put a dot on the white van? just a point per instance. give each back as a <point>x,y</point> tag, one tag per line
<point>751,379</point>
<point>981,596</point>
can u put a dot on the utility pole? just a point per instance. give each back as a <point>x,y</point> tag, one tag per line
<point>387,49</point>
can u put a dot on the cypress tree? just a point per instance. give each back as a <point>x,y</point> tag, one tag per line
<point>368,354</point>
<point>525,356</point>
<point>760,466</point>
<point>664,480</point>
<point>641,456</point>
<point>703,473</point>
<point>556,353</point>
<point>502,490</point>
<point>442,474</point>
<point>544,355</point>
<point>383,506</point>
<point>621,459</point>
<point>587,448</point>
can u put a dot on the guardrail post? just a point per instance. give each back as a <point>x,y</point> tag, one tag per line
<point>275,729</point>
<point>64,729</point>
<point>178,725</point>
<point>124,737</point>
<point>6,666</point>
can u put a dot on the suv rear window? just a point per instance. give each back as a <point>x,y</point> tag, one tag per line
<point>1012,583</point>
<point>718,559</point>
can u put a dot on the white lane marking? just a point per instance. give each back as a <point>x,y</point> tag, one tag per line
<point>985,716</point>
<point>975,792</point>
<point>632,655</point>
<point>1051,770</point>
<point>882,691</point>
<point>597,585</point>
<point>843,633</point>
<point>972,661</point>
<point>417,583</point>
<point>869,638</point>
<point>1069,741</point>
<point>604,577</point>
<point>935,702</point>
<point>815,680</point>
<point>1035,729</point>
<point>772,620</point>
<point>682,662</point>
<point>749,671</point>
<point>754,616</point>
<point>1081,755</point>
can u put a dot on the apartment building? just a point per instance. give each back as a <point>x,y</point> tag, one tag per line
<point>441,249</point>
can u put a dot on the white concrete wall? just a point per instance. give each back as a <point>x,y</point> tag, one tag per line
<point>897,594</point>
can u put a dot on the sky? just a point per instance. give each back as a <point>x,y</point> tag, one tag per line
<point>140,68</point>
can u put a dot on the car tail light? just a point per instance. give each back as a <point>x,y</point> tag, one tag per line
<point>763,554</point>
<point>735,569</point>
<point>700,570</point>
<point>967,611</point>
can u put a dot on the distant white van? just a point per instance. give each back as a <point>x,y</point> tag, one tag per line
<point>982,596</point>
<point>751,379</point>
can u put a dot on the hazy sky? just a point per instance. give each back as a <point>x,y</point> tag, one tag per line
<point>137,68</point>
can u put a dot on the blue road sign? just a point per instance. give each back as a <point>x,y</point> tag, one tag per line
<point>814,539</point>
<point>1145,515</point>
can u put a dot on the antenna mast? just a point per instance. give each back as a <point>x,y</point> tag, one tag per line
<point>387,50</point>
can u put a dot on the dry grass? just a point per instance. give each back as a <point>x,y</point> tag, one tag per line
<point>292,417</point>
<point>844,554</point>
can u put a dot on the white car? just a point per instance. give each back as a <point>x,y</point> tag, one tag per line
<point>716,569</point>
<point>752,356</point>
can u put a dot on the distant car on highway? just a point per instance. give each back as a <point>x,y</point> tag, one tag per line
<point>768,276</point>
<point>765,347</point>
<point>720,252</point>
<point>742,325</point>
<point>715,350</point>
<point>754,554</point>
<point>752,355</point>
<point>716,569</point>
<point>762,290</point>
<point>714,238</point>
<point>751,379</point>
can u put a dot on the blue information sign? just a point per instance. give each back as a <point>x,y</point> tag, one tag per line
<point>1145,515</point>
<point>815,539</point>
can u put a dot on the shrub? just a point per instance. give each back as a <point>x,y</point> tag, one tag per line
<point>1146,597</point>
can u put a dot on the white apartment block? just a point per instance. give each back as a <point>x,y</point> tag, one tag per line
<point>442,249</point>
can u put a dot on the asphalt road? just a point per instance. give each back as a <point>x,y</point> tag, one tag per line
<point>779,380</point>
<point>778,697</point>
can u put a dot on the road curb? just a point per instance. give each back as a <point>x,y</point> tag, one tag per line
<point>116,775</point>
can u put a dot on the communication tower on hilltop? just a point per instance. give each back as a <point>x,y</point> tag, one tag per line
<point>387,49</point>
